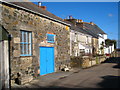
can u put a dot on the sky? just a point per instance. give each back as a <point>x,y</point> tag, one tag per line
<point>103,14</point>
<point>76,0</point>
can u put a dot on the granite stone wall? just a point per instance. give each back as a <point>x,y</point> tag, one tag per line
<point>25,68</point>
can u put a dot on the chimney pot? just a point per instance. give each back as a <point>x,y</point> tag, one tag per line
<point>43,7</point>
<point>70,17</point>
<point>39,3</point>
<point>91,23</point>
<point>80,20</point>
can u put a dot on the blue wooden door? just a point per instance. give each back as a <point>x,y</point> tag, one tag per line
<point>46,60</point>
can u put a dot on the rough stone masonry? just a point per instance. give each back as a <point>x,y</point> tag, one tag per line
<point>25,68</point>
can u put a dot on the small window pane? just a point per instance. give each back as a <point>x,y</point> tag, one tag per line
<point>29,39</point>
<point>25,49</point>
<point>25,37</point>
<point>22,48</point>
<point>25,43</point>
<point>50,38</point>
<point>21,36</point>
<point>29,48</point>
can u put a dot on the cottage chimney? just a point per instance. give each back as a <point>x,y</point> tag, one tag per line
<point>80,23</point>
<point>80,20</point>
<point>40,5</point>
<point>70,17</point>
<point>91,23</point>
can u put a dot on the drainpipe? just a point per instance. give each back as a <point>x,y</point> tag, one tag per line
<point>9,40</point>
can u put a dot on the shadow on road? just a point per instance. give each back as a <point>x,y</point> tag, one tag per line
<point>117,66</point>
<point>112,60</point>
<point>110,82</point>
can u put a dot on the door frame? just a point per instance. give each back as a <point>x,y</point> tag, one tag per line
<point>53,57</point>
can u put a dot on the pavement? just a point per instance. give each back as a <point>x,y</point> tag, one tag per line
<point>46,80</point>
<point>105,75</point>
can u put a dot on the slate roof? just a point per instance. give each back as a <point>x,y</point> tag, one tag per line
<point>76,28</point>
<point>90,32</point>
<point>89,29</point>
<point>93,28</point>
<point>33,7</point>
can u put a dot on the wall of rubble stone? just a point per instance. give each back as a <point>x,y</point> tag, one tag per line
<point>91,61</point>
<point>27,67</point>
<point>86,61</point>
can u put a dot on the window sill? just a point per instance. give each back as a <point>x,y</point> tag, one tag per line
<point>25,55</point>
<point>50,42</point>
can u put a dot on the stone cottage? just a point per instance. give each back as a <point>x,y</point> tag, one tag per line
<point>40,41</point>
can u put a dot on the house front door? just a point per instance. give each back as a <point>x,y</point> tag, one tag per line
<point>46,60</point>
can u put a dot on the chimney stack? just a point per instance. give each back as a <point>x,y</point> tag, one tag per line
<point>80,20</point>
<point>91,23</point>
<point>43,7</point>
<point>79,23</point>
<point>40,5</point>
<point>70,17</point>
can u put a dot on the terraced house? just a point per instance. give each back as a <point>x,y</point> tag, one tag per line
<point>92,37</point>
<point>39,43</point>
<point>99,36</point>
<point>81,41</point>
<point>39,40</point>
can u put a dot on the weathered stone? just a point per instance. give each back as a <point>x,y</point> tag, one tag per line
<point>15,20</point>
<point>12,82</point>
<point>17,40</point>
<point>16,53</point>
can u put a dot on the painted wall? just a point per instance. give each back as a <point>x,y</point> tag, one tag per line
<point>80,42</point>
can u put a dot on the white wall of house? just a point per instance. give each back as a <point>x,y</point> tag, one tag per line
<point>105,36</point>
<point>100,40</point>
<point>82,38</point>
<point>81,46</point>
<point>71,39</point>
<point>83,42</point>
<point>90,40</point>
<point>109,49</point>
<point>106,50</point>
<point>113,48</point>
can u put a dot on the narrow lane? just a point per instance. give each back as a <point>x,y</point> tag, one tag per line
<point>105,75</point>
